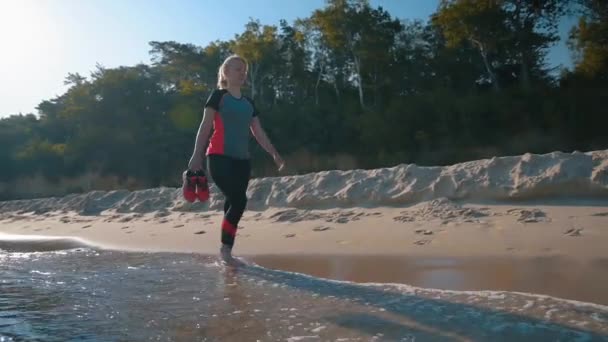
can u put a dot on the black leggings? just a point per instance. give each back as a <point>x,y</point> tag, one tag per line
<point>232,178</point>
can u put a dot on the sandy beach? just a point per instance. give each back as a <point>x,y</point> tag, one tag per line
<point>530,223</point>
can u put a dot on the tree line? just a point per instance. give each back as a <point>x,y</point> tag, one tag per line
<point>350,86</point>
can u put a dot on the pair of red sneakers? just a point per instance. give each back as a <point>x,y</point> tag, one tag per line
<point>195,186</point>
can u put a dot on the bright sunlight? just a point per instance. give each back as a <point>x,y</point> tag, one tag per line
<point>27,33</point>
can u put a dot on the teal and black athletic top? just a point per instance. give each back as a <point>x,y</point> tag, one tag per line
<point>231,124</point>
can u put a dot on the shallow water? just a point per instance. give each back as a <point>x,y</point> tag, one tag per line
<point>553,275</point>
<point>90,295</point>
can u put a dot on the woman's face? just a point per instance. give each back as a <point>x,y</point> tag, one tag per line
<point>236,72</point>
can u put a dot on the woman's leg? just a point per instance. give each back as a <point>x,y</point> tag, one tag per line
<point>232,178</point>
<point>238,199</point>
<point>226,205</point>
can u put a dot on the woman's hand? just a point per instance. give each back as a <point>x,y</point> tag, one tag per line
<point>196,162</point>
<point>279,161</point>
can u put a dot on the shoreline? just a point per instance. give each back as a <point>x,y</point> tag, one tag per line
<point>555,250</point>
<point>559,276</point>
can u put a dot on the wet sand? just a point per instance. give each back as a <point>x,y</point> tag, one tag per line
<point>556,276</point>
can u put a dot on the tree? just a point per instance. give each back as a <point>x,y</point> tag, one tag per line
<point>182,66</point>
<point>359,36</point>
<point>534,26</point>
<point>479,22</point>
<point>258,45</point>
<point>293,77</point>
<point>590,40</point>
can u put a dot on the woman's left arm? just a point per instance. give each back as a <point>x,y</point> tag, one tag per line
<point>264,141</point>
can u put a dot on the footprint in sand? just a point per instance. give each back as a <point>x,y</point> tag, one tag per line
<point>87,226</point>
<point>424,231</point>
<point>357,217</point>
<point>600,214</point>
<point>321,229</point>
<point>200,232</point>
<point>178,226</point>
<point>289,235</point>
<point>162,214</point>
<point>573,232</point>
<point>296,215</point>
<point>163,221</point>
<point>129,232</point>
<point>342,220</point>
<point>403,218</point>
<point>37,229</point>
<point>529,216</point>
<point>422,242</point>
<point>125,227</point>
<point>343,242</point>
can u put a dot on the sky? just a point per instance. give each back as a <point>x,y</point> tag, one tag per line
<point>44,40</point>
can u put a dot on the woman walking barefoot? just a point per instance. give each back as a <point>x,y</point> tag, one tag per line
<point>232,116</point>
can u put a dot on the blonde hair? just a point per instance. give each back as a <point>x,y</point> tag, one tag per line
<point>222,83</point>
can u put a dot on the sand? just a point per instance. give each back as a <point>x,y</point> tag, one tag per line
<point>552,206</point>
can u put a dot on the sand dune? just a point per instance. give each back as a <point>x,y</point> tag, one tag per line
<point>524,177</point>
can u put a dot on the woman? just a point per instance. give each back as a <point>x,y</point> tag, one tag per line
<point>232,115</point>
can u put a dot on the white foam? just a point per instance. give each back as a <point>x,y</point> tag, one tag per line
<point>529,304</point>
<point>302,338</point>
<point>40,272</point>
<point>318,329</point>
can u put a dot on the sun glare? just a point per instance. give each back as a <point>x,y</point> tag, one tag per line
<point>27,33</point>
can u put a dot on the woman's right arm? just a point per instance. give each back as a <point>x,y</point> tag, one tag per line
<point>204,131</point>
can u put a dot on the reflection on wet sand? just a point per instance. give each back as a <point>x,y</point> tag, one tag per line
<point>555,276</point>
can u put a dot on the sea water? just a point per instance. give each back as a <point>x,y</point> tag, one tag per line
<point>84,294</point>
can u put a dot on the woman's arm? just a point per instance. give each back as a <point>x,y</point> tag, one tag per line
<point>264,141</point>
<point>202,136</point>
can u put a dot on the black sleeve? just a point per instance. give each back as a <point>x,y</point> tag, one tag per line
<point>255,110</point>
<point>214,99</point>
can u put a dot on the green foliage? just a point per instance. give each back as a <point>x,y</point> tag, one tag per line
<point>590,40</point>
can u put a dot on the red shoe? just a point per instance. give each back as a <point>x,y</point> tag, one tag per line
<point>189,185</point>
<point>202,186</point>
